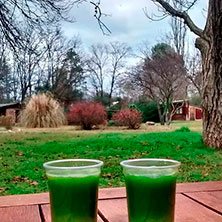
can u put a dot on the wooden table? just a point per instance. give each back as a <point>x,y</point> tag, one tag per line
<point>195,202</point>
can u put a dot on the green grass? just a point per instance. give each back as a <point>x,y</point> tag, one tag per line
<point>23,153</point>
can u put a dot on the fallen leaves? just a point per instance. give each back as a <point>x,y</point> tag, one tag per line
<point>17,179</point>
<point>2,189</point>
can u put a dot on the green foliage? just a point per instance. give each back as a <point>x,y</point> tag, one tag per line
<point>160,49</point>
<point>22,156</point>
<point>5,80</point>
<point>114,107</point>
<point>149,111</point>
<point>133,106</point>
<point>111,123</point>
<point>105,100</point>
<point>183,129</point>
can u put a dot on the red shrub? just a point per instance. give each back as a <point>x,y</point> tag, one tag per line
<point>87,114</point>
<point>130,117</point>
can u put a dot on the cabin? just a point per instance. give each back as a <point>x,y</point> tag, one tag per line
<point>186,111</point>
<point>12,109</point>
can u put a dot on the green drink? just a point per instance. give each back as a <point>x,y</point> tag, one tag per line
<point>150,185</point>
<point>73,189</point>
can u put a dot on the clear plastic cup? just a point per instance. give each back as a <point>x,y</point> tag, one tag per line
<point>150,185</point>
<point>73,189</point>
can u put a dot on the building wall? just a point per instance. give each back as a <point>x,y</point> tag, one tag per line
<point>188,112</point>
<point>199,114</point>
<point>11,112</point>
<point>14,112</point>
<point>195,113</point>
<point>179,117</point>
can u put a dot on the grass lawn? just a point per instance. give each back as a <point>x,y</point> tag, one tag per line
<point>23,152</point>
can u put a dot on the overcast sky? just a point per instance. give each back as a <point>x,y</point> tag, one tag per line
<point>127,22</point>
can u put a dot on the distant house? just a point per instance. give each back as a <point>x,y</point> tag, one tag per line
<point>186,111</point>
<point>12,109</point>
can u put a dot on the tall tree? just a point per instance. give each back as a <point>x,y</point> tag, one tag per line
<point>195,74</point>
<point>28,61</point>
<point>178,28</point>
<point>209,44</point>
<point>5,81</point>
<point>69,78</point>
<point>105,65</point>
<point>162,76</point>
<point>56,48</point>
<point>97,67</point>
<point>118,54</point>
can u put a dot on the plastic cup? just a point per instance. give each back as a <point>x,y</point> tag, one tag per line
<point>150,186</point>
<point>73,189</point>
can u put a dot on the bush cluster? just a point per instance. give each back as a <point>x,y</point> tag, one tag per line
<point>87,114</point>
<point>183,129</point>
<point>130,117</point>
<point>44,111</point>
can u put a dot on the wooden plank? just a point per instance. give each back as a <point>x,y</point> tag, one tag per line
<point>45,210</point>
<point>187,210</point>
<point>20,214</point>
<point>106,193</point>
<point>109,193</point>
<point>212,199</point>
<point>25,199</point>
<point>120,192</point>
<point>199,186</point>
<point>113,210</point>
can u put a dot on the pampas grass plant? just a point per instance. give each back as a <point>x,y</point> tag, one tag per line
<point>6,121</point>
<point>42,111</point>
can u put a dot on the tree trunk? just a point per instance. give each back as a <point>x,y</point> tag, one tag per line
<point>161,116</point>
<point>210,46</point>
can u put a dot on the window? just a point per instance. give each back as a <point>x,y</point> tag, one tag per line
<point>179,111</point>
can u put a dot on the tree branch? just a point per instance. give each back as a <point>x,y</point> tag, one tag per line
<point>183,15</point>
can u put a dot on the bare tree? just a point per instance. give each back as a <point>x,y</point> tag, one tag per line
<point>28,61</point>
<point>162,78</point>
<point>118,53</point>
<point>209,44</point>
<point>56,47</point>
<point>195,73</point>
<point>35,13</point>
<point>69,77</point>
<point>105,65</point>
<point>178,28</point>
<point>97,67</point>
<point>38,14</point>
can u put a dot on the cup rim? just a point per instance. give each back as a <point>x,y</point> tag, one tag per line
<point>98,163</point>
<point>124,163</point>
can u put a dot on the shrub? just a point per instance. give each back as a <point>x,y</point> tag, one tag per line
<point>130,117</point>
<point>42,111</point>
<point>132,106</point>
<point>183,129</point>
<point>6,121</point>
<point>111,123</point>
<point>149,111</point>
<point>87,114</point>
